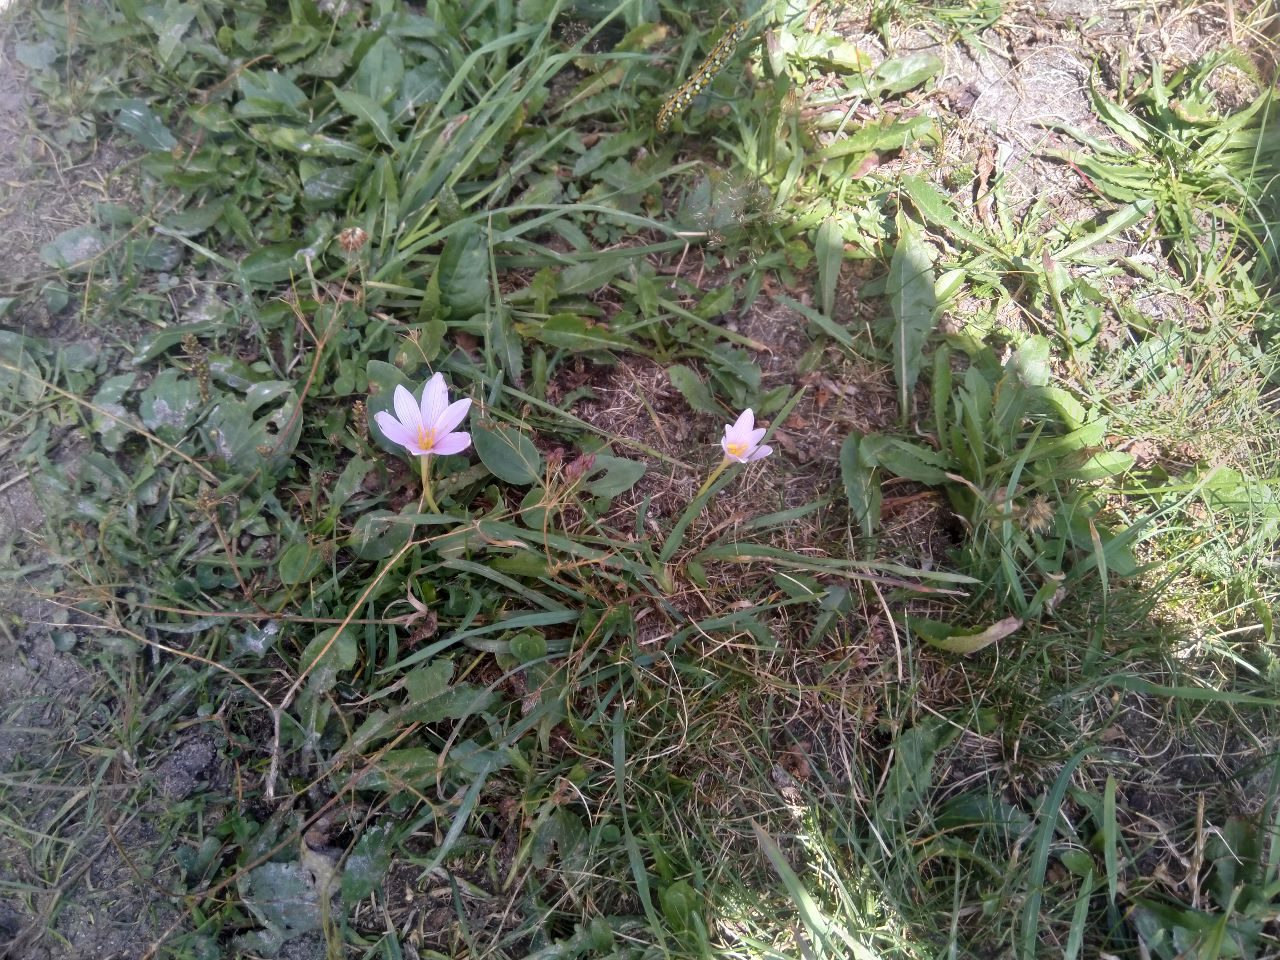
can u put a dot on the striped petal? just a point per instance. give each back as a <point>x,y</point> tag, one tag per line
<point>452,443</point>
<point>406,410</point>
<point>395,431</point>
<point>453,415</point>
<point>435,397</point>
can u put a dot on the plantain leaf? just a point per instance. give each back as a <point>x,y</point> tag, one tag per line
<point>693,390</point>
<point>907,460</point>
<point>829,248</point>
<point>912,302</point>
<point>860,485</point>
<point>508,453</point>
<point>570,332</point>
<point>463,273</point>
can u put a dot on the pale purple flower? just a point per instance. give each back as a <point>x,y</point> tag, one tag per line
<point>741,440</point>
<point>426,429</point>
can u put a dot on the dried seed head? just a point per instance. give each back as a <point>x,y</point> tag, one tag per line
<point>352,239</point>
<point>579,467</point>
<point>1038,516</point>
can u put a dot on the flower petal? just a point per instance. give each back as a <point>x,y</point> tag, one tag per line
<point>406,410</point>
<point>435,397</point>
<point>746,421</point>
<point>757,435</point>
<point>453,415</point>
<point>452,443</point>
<point>760,453</point>
<point>395,431</point>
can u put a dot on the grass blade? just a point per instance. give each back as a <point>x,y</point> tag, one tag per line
<point>1049,810</point>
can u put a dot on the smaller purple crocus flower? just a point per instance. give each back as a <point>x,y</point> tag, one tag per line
<point>741,441</point>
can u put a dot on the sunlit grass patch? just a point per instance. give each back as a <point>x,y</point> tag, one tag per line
<point>849,554</point>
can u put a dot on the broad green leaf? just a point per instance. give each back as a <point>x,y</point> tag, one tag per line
<point>169,406</point>
<point>380,73</point>
<point>946,637</point>
<point>900,74</point>
<point>297,140</point>
<point>828,247</point>
<point>901,458</point>
<point>274,263</point>
<point>138,120</point>
<point>368,113</point>
<point>379,534</point>
<point>528,646</point>
<point>716,302</point>
<point>155,344</point>
<point>501,338</point>
<point>936,209</point>
<point>1240,495</point>
<point>463,273</point>
<point>422,85</point>
<point>428,681</point>
<point>588,276</point>
<point>112,423</point>
<point>912,302</point>
<point>348,482</point>
<point>194,221</point>
<point>153,253</point>
<point>609,146</point>
<point>612,476</point>
<point>395,768</point>
<point>170,22</point>
<point>248,436</point>
<point>693,390</point>
<point>507,452</point>
<point>325,188</point>
<point>1127,216</point>
<point>73,249</point>
<point>367,863</point>
<point>883,136</point>
<point>1099,466</point>
<point>911,776</point>
<point>327,655</point>
<point>285,900</point>
<point>38,56</point>
<point>1124,123</point>
<point>571,332</point>
<point>299,563</point>
<point>679,904</point>
<point>268,93</point>
<point>860,485</point>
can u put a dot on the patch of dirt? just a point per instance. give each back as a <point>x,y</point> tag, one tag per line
<point>88,899</point>
<point>47,189</point>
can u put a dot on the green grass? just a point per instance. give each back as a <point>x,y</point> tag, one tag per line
<point>981,661</point>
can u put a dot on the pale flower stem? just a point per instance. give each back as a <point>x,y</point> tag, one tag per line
<point>696,505</point>
<point>715,474</point>
<point>426,485</point>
